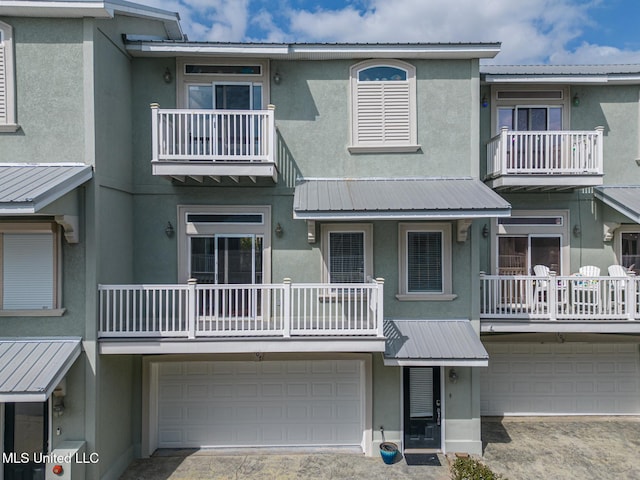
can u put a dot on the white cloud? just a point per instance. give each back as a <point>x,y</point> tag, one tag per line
<point>531,31</point>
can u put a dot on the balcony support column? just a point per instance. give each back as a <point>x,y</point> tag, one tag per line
<point>553,296</point>
<point>631,289</point>
<point>154,131</point>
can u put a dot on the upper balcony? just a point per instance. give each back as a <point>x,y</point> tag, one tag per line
<point>545,160</point>
<point>575,303</point>
<point>213,144</point>
<point>236,318</point>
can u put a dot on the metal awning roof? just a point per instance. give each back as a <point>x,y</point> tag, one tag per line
<point>623,198</point>
<point>396,198</point>
<point>26,188</point>
<point>433,343</point>
<point>30,368</point>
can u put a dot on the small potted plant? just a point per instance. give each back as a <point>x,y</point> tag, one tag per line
<point>388,451</point>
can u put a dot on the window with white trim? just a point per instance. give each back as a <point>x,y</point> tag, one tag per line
<point>7,86</point>
<point>628,247</point>
<point>425,261</point>
<point>383,107</point>
<point>347,252</point>
<point>29,263</point>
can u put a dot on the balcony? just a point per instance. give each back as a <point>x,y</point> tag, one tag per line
<point>521,303</point>
<point>545,160</point>
<point>213,144</point>
<point>241,318</point>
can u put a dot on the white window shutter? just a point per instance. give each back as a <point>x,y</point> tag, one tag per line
<point>3,83</point>
<point>28,276</point>
<point>384,113</point>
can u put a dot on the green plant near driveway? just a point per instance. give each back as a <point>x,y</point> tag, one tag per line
<point>467,468</point>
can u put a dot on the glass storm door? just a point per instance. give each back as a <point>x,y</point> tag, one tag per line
<point>25,432</point>
<point>422,407</point>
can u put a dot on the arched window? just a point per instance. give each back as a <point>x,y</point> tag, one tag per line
<point>7,92</point>
<point>383,96</point>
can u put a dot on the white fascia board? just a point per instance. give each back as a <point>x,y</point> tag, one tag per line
<point>214,50</point>
<point>44,8</point>
<point>433,362</point>
<point>556,79</point>
<point>401,215</point>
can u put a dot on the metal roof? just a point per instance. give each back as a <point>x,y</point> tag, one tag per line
<point>623,198</point>
<point>31,368</point>
<point>396,198</point>
<point>314,51</point>
<point>27,188</point>
<point>433,343</point>
<point>592,74</point>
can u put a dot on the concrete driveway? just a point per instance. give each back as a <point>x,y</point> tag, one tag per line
<point>549,448</point>
<point>563,448</point>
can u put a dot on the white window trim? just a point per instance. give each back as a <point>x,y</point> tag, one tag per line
<point>535,230</point>
<point>564,102</point>
<point>43,227</point>
<point>447,277</point>
<point>186,230</point>
<point>629,228</point>
<point>182,80</point>
<point>8,125</point>
<point>365,228</point>
<point>383,147</point>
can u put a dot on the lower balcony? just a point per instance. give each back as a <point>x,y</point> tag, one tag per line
<point>520,303</point>
<point>545,160</point>
<point>205,318</point>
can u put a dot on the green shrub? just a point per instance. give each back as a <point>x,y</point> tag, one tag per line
<point>467,468</point>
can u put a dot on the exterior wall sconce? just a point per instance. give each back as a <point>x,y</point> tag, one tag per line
<point>576,100</point>
<point>484,102</point>
<point>57,401</point>
<point>485,231</point>
<point>453,375</point>
<point>279,230</point>
<point>166,76</point>
<point>277,78</point>
<point>169,231</point>
<point>577,231</point>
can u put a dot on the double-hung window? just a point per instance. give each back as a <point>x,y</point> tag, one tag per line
<point>347,253</point>
<point>425,261</point>
<point>383,107</point>
<point>7,86</point>
<point>29,263</point>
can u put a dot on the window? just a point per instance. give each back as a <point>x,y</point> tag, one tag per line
<point>29,264</point>
<point>425,261</point>
<point>383,109</point>
<point>347,253</point>
<point>7,88</point>
<point>224,244</point>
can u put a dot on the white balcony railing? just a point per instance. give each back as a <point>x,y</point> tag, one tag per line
<point>276,310</point>
<point>545,152</point>
<point>552,298</point>
<point>212,135</point>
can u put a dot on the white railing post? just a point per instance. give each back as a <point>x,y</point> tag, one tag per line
<point>380,306</point>
<point>287,308</point>
<point>154,131</point>
<point>192,310</point>
<point>504,148</point>
<point>552,294</point>
<point>600,149</point>
<point>631,286</point>
<point>270,133</point>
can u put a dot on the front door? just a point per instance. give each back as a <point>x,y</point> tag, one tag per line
<point>422,407</point>
<point>25,439</point>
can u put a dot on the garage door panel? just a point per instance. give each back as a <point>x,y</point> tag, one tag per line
<point>567,378</point>
<point>261,404</point>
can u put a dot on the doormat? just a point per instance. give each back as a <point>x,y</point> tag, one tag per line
<point>430,459</point>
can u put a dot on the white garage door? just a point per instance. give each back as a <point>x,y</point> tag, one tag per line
<point>561,379</point>
<point>280,403</point>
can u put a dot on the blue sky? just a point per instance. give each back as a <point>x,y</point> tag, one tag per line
<point>531,31</point>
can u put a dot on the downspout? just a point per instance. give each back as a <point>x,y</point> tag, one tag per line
<point>638,130</point>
